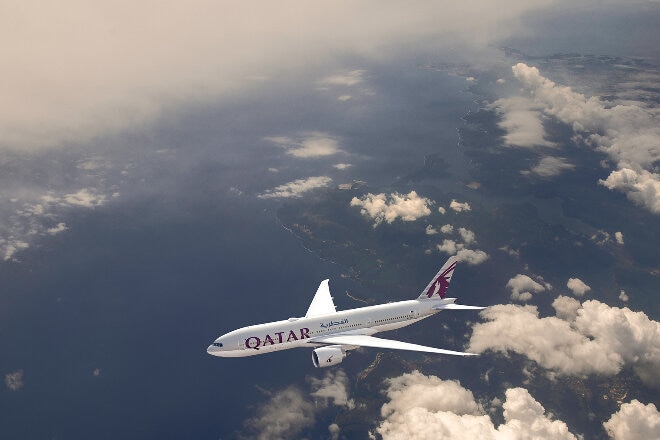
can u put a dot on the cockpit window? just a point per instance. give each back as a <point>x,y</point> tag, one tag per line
<point>217,344</point>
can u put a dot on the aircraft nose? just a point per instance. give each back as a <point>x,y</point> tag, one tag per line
<point>215,349</point>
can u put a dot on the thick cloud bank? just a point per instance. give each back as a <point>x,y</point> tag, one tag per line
<point>426,407</point>
<point>591,338</point>
<point>73,70</point>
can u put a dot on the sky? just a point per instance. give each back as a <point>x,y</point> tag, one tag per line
<point>141,111</point>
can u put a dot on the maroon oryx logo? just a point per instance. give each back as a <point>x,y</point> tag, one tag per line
<point>441,283</point>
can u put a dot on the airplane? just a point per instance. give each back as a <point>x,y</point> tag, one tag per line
<point>334,333</point>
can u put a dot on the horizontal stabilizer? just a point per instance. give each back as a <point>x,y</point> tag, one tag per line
<point>457,307</point>
<point>370,341</point>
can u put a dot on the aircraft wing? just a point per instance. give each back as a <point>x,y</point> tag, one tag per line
<point>370,341</point>
<point>322,303</point>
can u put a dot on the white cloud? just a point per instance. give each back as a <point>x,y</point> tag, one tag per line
<point>11,246</point>
<point>525,418</point>
<point>234,191</point>
<point>34,213</point>
<point>641,186</point>
<point>349,83</point>
<point>87,198</point>
<point>447,229</point>
<point>523,286</point>
<point>334,430</point>
<point>415,389</point>
<point>566,307</point>
<point>430,230</point>
<point>592,339</point>
<point>288,412</point>
<point>285,415</point>
<point>342,166</point>
<point>332,388</point>
<point>471,257</point>
<point>426,407</point>
<point>459,207</point>
<point>60,227</point>
<point>618,235</point>
<point>349,79</point>
<point>522,122</point>
<point>577,286</point>
<point>449,247</point>
<point>623,296</point>
<point>381,207</point>
<point>308,145</point>
<point>550,166</point>
<point>634,420</point>
<point>601,237</point>
<point>467,235</point>
<point>628,133</point>
<point>92,164</point>
<point>14,380</point>
<point>296,188</point>
<point>442,210</point>
<point>510,251</point>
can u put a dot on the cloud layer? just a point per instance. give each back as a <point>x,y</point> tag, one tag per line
<point>587,338</point>
<point>81,70</point>
<point>629,133</point>
<point>426,407</point>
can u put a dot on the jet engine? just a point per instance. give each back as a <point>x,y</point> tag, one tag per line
<point>327,356</point>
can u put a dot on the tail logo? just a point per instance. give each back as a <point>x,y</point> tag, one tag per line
<point>441,283</point>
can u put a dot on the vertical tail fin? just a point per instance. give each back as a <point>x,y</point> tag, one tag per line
<point>440,283</point>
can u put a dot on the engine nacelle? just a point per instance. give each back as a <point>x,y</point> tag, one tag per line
<point>328,356</point>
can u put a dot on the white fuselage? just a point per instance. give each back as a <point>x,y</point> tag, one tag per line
<point>300,332</point>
